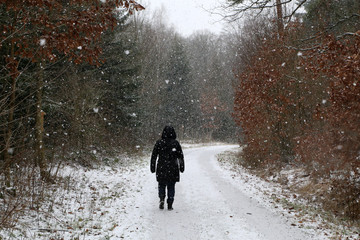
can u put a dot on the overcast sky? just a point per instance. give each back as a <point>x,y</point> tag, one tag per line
<point>188,16</point>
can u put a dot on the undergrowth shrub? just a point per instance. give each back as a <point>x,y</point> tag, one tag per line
<point>25,193</point>
<point>344,195</point>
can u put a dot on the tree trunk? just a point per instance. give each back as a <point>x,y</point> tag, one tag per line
<point>280,23</point>
<point>8,136</point>
<point>8,131</point>
<point>40,160</point>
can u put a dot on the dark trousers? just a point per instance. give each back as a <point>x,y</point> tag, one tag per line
<point>170,191</point>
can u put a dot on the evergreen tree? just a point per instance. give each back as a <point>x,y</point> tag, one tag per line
<point>177,98</point>
<point>121,82</point>
<point>91,108</point>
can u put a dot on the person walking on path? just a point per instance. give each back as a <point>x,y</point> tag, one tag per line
<point>170,161</point>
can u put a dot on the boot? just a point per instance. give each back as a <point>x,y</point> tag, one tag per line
<point>161,205</point>
<point>170,206</point>
<point>170,203</point>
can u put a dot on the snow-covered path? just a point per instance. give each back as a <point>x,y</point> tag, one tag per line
<point>212,201</point>
<point>208,205</point>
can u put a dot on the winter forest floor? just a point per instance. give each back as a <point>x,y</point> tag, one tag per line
<point>214,200</point>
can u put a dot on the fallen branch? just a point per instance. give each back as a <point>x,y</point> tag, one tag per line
<point>52,230</point>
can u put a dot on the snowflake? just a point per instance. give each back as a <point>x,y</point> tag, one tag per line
<point>42,42</point>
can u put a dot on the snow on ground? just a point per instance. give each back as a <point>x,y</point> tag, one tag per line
<point>284,199</point>
<point>121,203</point>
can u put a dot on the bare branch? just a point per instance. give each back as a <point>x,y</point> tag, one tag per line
<point>330,27</point>
<point>303,49</point>
<point>237,8</point>
<point>357,34</point>
<point>295,10</point>
<point>12,34</point>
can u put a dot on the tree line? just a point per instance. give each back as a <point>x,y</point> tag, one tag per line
<point>298,96</point>
<point>83,80</point>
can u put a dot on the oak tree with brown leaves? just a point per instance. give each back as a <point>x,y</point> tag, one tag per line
<point>39,32</point>
<point>301,105</point>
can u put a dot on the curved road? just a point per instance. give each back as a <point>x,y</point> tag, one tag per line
<point>207,206</point>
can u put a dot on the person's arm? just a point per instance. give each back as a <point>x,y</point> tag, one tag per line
<point>181,158</point>
<point>153,158</point>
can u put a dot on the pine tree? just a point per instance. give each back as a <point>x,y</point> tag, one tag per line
<point>176,94</point>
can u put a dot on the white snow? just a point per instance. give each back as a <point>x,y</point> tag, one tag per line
<point>10,151</point>
<point>121,202</point>
<point>42,42</point>
<point>339,147</point>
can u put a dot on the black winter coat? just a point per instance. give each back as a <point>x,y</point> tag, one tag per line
<point>170,159</point>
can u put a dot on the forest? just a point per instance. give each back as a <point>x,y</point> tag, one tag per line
<point>80,79</point>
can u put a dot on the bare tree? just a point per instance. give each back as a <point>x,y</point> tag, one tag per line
<point>235,9</point>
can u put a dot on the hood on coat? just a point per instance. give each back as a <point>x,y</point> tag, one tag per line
<point>168,132</point>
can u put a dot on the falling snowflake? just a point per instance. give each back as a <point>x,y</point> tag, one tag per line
<point>10,151</point>
<point>42,42</point>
